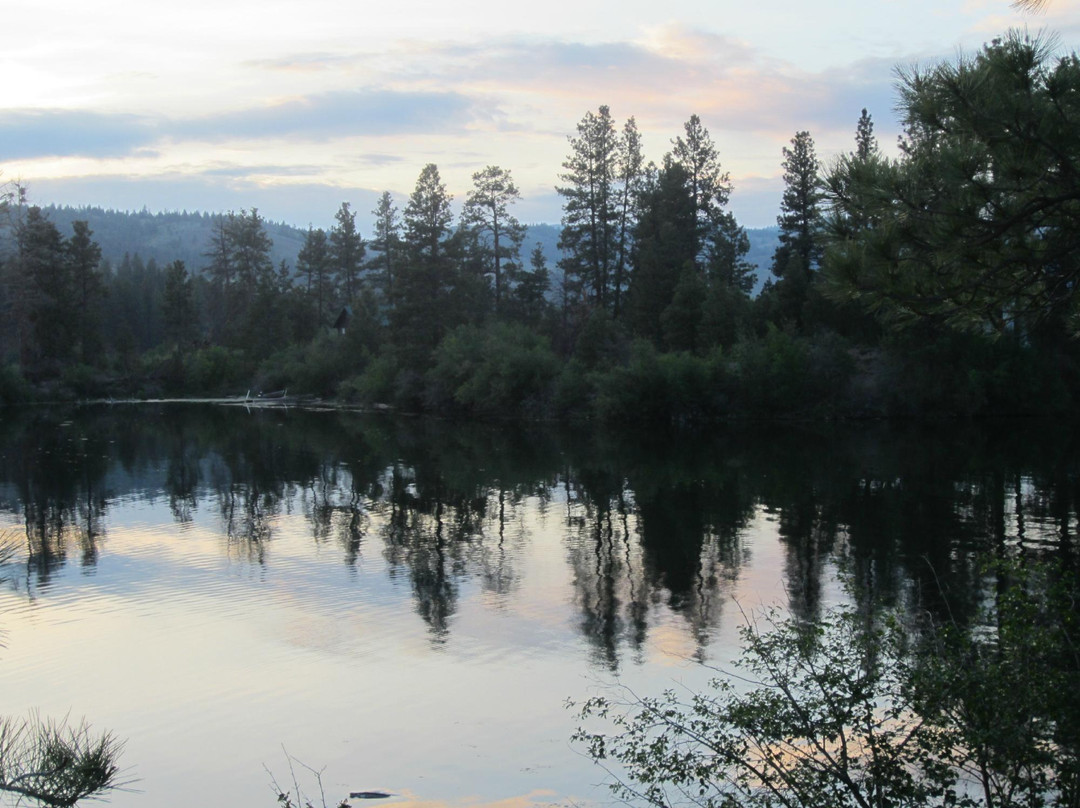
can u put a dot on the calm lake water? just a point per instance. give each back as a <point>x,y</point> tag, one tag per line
<point>409,603</point>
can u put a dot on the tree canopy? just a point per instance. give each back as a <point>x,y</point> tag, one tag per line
<point>977,224</point>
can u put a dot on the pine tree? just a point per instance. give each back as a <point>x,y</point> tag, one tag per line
<point>250,250</point>
<point>709,186</point>
<point>975,225</point>
<point>529,296</point>
<point>315,264</point>
<point>347,247</point>
<point>84,255</point>
<point>590,209</point>
<point>865,142</point>
<point>631,176</point>
<point>680,322</point>
<point>387,243</point>
<point>44,293</point>
<point>799,253</point>
<point>421,313</point>
<point>497,234</point>
<point>728,248</point>
<point>223,305</point>
<point>665,238</point>
<point>178,306</point>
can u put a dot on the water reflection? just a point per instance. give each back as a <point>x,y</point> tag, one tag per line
<point>646,519</point>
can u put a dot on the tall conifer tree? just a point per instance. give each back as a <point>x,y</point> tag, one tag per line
<point>497,233</point>
<point>590,207</point>
<point>347,247</point>
<point>799,253</point>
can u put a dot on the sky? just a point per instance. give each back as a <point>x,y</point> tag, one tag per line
<point>294,108</point>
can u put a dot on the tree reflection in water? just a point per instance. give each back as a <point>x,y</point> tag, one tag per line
<point>646,520</point>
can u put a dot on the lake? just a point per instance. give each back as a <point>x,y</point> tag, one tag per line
<point>407,604</point>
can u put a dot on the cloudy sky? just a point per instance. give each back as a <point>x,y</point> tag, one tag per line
<point>295,107</point>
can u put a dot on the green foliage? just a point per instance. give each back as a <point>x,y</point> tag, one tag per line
<point>648,252</point>
<point>500,369</point>
<point>963,374</point>
<point>999,700</point>
<point>497,234</point>
<point>178,305</point>
<point>347,251</point>
<point>218,371</point>
<point>590,220</point>
<point>666,237</point>
<point>84,256</point>
<point>976,225</point>
<point>708,186</point>
<point>314,262</point>
<point>826,725</point>
<point>672,388</point>
<point>376,384</point>
<point>857,710</point>
<point>681,320</point>
<point>85,381</point>
<point>725,315</point>
<point>575,392</point>
<point>421,314</point>
<point>386,243</point>
<point>316,368</point>
<point>55,764</point>
<point>602,342</point>
<point>782,374</point>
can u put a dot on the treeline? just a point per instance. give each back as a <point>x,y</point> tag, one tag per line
<point>941,282</point>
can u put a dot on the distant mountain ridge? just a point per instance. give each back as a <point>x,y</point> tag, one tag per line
<point>185,236</point>
<point>165,237</point>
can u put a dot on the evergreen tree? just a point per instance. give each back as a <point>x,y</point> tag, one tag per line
<point>497,234</point>
<point>43,298</point>
<point>728,248</point>
<point>976,225</point>
<point>665,238</point>
<point>386,242</point>
<point>347,247</point>
<point>799,253</point>
<point>84,255</point>
<point>250,250</point>
<point>178,306</point>
<point>865,142</point>
<point>681,320</point>
<point>590,210</point>
<point>421,315</point>
<point>529,297</point>
<point>223,304</point>
<point>631,176</point>
<point>708,185</point>
<point>315,264</point>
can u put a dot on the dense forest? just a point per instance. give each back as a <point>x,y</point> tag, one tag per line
<point>941,282</point>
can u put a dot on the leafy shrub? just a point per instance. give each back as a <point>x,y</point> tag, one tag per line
<point>375,385</point>
<point>784,375</point>
<point>653,387</point>
<point>218,371</point>
<point>502,368</point>
<point>859,709</point>
<point>317,368</point>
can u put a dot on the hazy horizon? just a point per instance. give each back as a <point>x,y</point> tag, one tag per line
<point>293,113</point>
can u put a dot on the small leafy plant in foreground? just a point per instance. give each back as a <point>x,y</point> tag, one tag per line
<point>865,711</point>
